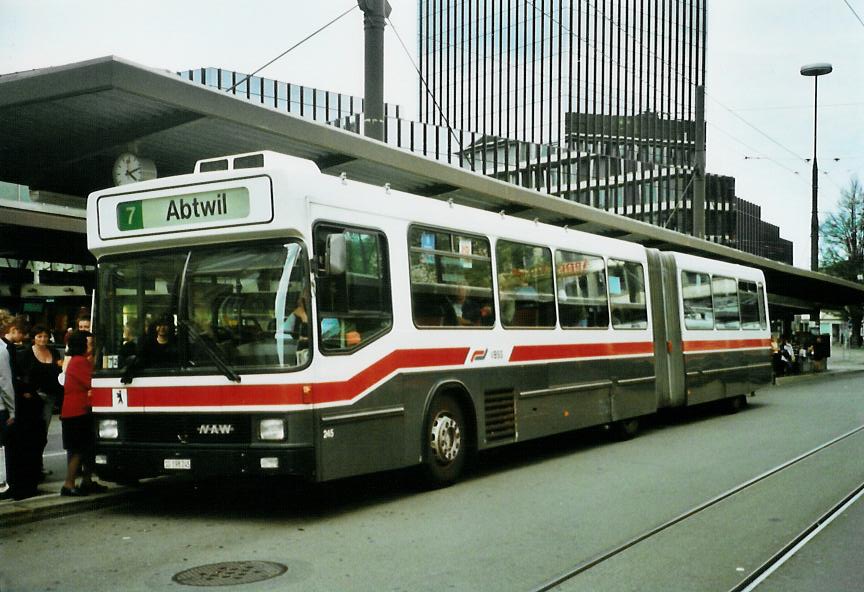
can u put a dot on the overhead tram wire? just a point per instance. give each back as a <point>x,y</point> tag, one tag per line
<point>853,12</point>
<point>761,156</point>
<point>797,107</point>
<point>428,91</point>
<point>798,156</point>
<point>295,46</point>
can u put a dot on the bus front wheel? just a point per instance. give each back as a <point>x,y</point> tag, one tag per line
<point>446,441</point>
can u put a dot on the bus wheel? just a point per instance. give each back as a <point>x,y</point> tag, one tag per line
<point>736,404</point>
<point>445,448</point>
<point>626,429</point>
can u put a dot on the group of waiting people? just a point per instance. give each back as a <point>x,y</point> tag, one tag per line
<point>33,380</point>
<point>789,358</point>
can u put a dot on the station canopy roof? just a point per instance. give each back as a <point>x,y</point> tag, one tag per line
<point>63,127</point>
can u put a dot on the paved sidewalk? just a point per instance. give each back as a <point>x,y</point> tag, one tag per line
<point>844,360</point>
<point>50,504</point>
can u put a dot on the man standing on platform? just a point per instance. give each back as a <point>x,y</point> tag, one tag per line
<point>7,394</point>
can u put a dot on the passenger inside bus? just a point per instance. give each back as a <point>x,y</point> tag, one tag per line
<point>297,322</point>
<point>128,348</point>
<point>339,333</point>
<point>463,311</point>
<point>160,349</point>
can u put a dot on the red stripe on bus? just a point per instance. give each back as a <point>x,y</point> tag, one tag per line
<point>327,392</point>
<point>725,344</point>
<point>283,394</point>
<point>533,353</point>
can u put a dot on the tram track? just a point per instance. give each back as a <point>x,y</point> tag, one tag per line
<point>752,581</point>
<point>753,578</point>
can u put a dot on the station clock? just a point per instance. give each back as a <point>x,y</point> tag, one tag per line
<point>131,168</point>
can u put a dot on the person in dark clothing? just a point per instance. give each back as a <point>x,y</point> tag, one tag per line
<point>818,352</point>
<point>40,366</point>
<point>160,349</point>
<point>7,396</point>
<point>129,348</point>
<point>463,311</point>
<point>26,429</point>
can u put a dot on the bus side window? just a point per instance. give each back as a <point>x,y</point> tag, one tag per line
<point>748,299</point>
<point>353,295</point>
<point>525,287</point>
<point>451,279</point>
<point>582,299</point>
<point>627,295</point>
<point>726,309</point>
<point>696,298</point>
<point>763,317</point>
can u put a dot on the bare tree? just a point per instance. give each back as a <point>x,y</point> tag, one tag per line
<point>843,247</point>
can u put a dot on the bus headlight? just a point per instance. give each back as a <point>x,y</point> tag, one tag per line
<point>108,429</point>
<point>271,429</point>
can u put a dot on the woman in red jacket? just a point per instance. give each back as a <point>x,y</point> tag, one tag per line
<point>76,416</point>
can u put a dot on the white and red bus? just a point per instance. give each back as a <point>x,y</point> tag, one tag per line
<point>260,317</point>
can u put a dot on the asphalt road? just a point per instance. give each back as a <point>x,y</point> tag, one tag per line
<point>528,514</point>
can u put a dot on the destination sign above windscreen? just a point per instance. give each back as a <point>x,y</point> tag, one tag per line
<point>212,205</point>
<point>174,210</point>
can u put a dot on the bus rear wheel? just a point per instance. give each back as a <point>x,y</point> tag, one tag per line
<point>445,449</point>
<point>736,403</point>
<point>625,429</point>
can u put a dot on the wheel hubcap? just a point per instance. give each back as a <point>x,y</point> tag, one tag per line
<point>446,438</point>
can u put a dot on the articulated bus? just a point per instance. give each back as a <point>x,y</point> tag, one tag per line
<point>259,317</point>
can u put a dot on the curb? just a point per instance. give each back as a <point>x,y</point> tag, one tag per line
<point>53,505</point>
<point>812,375</point>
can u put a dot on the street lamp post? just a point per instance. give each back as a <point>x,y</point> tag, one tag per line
<point>815,70</point>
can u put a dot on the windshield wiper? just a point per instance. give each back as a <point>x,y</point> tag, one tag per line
<point>195,338</point>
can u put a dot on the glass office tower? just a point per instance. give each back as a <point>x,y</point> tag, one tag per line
<point>593,101</point>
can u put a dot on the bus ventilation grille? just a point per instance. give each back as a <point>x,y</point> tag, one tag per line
<point>500,408</point>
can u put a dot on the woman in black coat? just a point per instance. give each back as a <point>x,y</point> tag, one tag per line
<point>28,433</point>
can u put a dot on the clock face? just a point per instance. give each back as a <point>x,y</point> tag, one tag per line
<point>129,168</point>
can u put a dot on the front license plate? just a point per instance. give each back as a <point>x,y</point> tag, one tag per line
<point>178,463</point>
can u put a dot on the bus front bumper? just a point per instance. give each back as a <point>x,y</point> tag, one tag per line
<point>116,463</point>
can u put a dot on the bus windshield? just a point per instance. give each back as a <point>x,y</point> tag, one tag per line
<point>232,308</point>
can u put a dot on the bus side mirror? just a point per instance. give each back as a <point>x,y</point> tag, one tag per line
<point>335,257</point>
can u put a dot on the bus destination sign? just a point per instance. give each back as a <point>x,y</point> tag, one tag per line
<point>177,210</point>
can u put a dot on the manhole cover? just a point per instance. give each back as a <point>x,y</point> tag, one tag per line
<point>230,573</point>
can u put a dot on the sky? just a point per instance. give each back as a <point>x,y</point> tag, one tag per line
<point>759,108</point>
